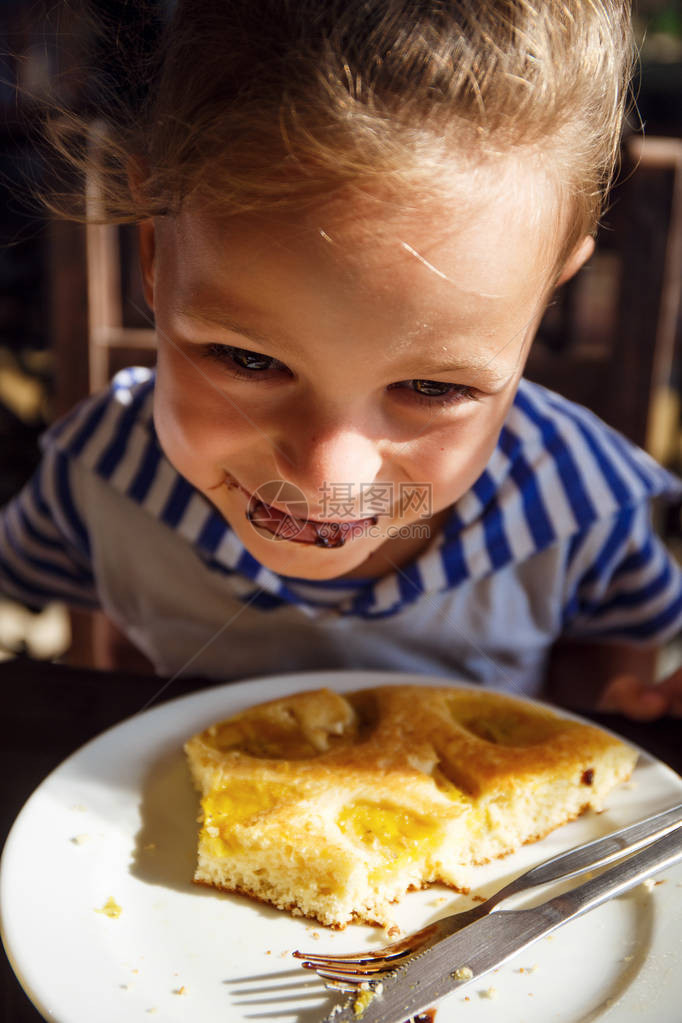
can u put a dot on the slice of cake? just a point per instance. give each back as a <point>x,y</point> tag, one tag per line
<point>333,806</point>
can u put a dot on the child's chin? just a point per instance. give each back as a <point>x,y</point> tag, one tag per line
<point>308,560</point>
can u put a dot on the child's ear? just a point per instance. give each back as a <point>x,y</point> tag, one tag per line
<point>137,172</point>
<point>146,239</point>
<point>578,257</point>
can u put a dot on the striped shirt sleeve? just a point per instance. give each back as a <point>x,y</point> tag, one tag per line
<point>44,542</point>
<point>622,583</point>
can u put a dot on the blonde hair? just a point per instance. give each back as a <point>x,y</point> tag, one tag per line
<point>262,104</point>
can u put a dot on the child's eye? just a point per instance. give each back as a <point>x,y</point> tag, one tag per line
<point>437,392</point>
<point>241,361</point>
<point>247,365</point>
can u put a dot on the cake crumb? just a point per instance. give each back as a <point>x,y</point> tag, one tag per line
<point>392,931</point>
<point>79,839</point>
<point>362,1000</point>
<point>490,992</point>
<point>462,973</point>
<point>180,990</point>
<point>649,884</point>
<point>110,908</point>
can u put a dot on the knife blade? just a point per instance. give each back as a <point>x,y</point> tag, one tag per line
<point>470,953</point>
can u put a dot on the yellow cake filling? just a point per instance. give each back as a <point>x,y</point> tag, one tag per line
<point>241,803</point>
<point>399,836</point>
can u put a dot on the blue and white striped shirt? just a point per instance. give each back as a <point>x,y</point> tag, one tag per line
<point>554,538</point>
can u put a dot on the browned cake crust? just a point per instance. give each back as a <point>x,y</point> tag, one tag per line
<point>332,806</point>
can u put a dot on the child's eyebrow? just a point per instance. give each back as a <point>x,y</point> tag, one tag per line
<point>483,369</point>
<point>224,316</point>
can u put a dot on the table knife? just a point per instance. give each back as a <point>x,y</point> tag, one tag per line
<point>484,945</point>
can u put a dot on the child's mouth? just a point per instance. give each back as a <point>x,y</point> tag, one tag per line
<point>281,525</point>
<point>321,534</point>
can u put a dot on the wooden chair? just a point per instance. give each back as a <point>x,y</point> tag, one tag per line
<point>101,324</point>
<point>111,343</point>
<point>612,341</point>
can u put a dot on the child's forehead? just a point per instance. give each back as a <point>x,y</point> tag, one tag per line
<point>477,215</point>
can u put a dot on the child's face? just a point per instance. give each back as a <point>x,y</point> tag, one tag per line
<point>367,359</point>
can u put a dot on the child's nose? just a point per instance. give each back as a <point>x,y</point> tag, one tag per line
<point>318,461</point>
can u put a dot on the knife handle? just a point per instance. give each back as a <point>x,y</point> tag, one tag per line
<point>596,853</point>
<point>616,880</point>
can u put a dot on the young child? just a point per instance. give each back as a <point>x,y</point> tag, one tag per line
<point>351,219</point>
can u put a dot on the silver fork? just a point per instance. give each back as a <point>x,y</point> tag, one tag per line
<point>353,968</point>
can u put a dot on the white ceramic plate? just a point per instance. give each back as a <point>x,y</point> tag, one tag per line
<point>117,820</point>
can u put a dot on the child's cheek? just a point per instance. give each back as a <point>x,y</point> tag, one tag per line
<point>197,425</point>
<point>455,456</point>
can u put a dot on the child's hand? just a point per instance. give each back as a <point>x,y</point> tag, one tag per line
<point>642,701</point>
<point>614,678</point>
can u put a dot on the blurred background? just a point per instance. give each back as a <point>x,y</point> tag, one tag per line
<point>72,312</point>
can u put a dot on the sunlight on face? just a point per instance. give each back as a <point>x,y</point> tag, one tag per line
<point>352,347</point>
